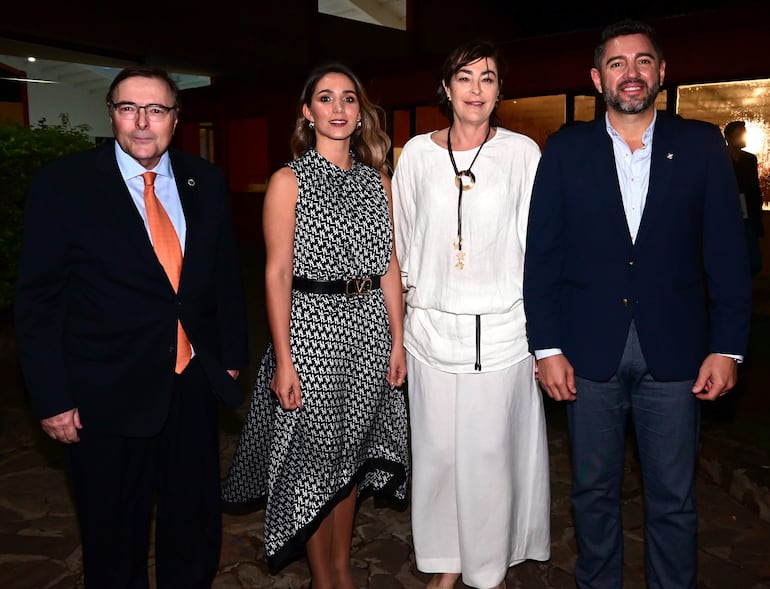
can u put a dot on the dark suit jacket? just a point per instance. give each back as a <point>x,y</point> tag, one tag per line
<point>747,173</point>
<point>685,281</point>
<point>95,313</point>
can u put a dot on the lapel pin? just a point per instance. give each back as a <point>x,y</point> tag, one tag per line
<point>669,156</point>
<point>191,182</point>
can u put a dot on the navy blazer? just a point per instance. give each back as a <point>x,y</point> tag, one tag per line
<point>685,282</point>
<point>95,313</point>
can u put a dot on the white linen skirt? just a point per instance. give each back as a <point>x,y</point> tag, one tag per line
<point>480,494</point>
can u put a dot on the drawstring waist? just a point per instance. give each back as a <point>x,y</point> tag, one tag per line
<point>477,366</point>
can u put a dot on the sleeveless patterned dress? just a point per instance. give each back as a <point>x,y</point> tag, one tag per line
<point>352,428</point>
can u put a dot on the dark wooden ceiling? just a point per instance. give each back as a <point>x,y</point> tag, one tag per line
<point>260,39</point>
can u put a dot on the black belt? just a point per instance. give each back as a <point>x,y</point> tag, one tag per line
<point>350,287</point>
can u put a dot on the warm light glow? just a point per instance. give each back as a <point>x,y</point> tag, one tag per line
<point>756,136</point>
<point>396,155</point>
<point>722,102</point>
<point>758,143</point>
<point>31,59</point>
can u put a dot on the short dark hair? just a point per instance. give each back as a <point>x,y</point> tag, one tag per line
<point>734,126</point>
<point>461,56</point>
<point>145,71</point>
<point>622,28</point>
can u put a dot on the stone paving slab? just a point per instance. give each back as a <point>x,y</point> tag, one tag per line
<point>740,469</point>
<point>39,546</point>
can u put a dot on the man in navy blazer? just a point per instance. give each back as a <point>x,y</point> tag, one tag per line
<point>96,323</point>
<point>637,296</point>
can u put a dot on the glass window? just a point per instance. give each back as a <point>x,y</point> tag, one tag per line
<point>426,119</point>
<point>206,139</point>
<point>535,117</point>
<point>540,116</point>
<point>721,103</point>
<point>585,108</point>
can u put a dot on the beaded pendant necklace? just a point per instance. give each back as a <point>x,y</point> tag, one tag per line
<point>464,180</point>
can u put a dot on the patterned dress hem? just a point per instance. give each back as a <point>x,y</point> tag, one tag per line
<point>294,548</point>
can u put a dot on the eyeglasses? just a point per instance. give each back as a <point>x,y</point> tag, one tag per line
<point>130,110</point>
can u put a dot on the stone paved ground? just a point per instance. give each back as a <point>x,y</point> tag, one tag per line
<point>39,545</point>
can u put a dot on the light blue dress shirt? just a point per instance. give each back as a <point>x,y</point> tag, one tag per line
<point>165,190</point>
<point>633,170</point>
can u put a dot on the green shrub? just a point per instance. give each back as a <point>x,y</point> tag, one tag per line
<point>22,151</point>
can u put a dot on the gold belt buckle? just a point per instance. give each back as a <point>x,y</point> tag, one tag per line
<point>358,286</point>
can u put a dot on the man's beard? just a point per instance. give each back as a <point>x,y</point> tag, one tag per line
<point>613,99</point>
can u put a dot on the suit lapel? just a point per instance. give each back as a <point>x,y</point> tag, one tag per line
<point>114,198</point>
<point>189,195</point>
<point>606,175</point>
<point>123,220</point>
<point>661,166</point>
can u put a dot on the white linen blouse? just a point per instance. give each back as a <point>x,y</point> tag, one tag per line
<point>442,300</point>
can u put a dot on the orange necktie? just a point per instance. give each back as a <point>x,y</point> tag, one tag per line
<point>166,244</point>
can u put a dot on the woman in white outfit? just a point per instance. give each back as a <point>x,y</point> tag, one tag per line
<point>480,487</point>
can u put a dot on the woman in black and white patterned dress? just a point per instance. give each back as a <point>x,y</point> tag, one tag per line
<point>326,420</point>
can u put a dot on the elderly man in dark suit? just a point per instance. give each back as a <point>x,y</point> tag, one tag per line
<point>131,322</point>
<point>637,297</point>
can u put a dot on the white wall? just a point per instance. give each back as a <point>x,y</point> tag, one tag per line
<point>50,100</point>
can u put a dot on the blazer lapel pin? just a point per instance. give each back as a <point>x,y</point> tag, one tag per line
<point>191,182</point>
<point>669,156</point>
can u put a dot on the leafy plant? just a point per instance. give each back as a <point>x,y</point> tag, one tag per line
<point>22,151</point>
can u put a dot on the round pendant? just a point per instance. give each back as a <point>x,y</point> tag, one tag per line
<point>466,179</point>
